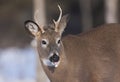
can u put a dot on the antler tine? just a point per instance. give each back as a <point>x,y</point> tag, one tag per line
<point>60,16</point>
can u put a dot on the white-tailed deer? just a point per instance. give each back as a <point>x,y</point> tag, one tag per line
<point>89,57</point>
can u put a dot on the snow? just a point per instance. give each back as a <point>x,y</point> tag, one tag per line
<point>17,65</point>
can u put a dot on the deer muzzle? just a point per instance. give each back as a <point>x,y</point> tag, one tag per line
<point>54,58</point>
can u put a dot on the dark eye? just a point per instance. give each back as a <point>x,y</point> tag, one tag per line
<point>44,42</point>
<point>59,41</point>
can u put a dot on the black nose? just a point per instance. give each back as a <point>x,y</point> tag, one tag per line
<point>54,58</point>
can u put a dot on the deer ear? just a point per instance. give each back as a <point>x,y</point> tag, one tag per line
<point>63,23</point>
<point>32,27</point>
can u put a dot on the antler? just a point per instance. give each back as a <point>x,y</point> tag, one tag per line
<point>57,22</point>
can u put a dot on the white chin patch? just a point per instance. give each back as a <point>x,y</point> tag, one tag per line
<point>47,62</point>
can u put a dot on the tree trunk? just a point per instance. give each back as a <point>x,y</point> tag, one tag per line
<point>39,12</point>
<point>40,19</point>
<point>86,14</point>
<point>111,11</point>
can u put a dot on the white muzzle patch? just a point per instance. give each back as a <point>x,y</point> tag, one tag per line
<point>47,62</point>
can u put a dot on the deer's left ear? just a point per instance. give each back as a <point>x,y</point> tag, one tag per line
<point>62,24</point>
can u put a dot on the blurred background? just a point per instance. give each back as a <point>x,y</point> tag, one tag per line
<point>17,57</point>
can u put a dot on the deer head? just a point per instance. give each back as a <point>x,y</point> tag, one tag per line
<point>48,39</point>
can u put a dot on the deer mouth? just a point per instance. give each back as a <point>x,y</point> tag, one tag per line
<point>55,64</point>
<point>52,61</point>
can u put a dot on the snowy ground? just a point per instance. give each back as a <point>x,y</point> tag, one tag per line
<point>17,65</point>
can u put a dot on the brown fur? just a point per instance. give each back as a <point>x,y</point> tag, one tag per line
<point>92,57</point>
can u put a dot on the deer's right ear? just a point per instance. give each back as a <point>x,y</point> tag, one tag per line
<point>32,27</point>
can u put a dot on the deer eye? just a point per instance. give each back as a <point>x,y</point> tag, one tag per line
<point>59,41</point>
<point>44,43</point>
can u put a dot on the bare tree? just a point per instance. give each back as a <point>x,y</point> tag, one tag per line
<point>111,11</point>
<point>86,12</point>
<point>39,12</point>
<point>40,18</point>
